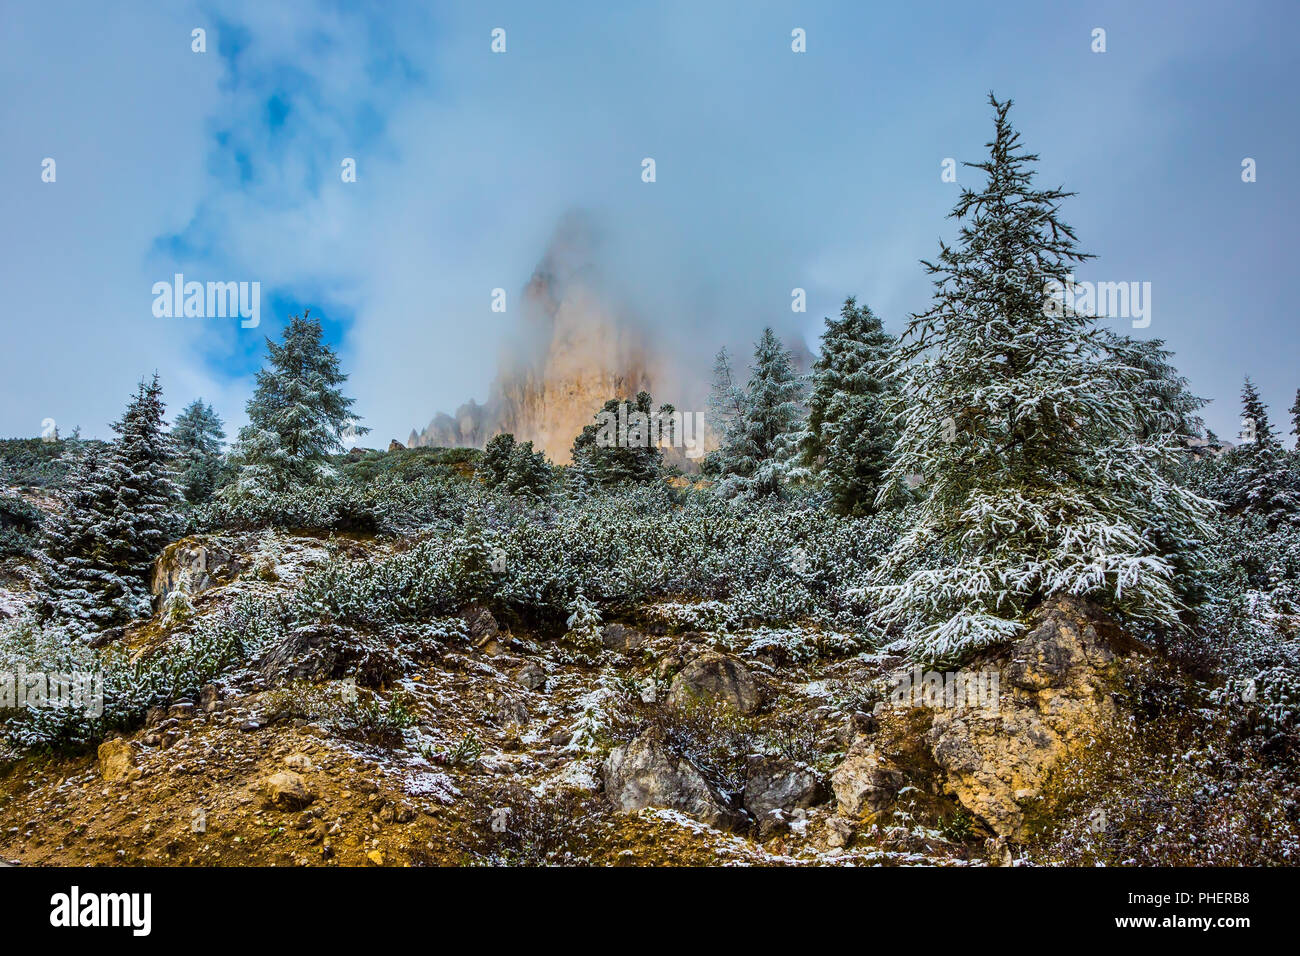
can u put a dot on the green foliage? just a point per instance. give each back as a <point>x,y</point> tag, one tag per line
<point>196,438</point>
<point>297,416</point>
<point>849,438</point>
<point>622,446</point>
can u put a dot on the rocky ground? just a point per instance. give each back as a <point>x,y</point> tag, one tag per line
<point>641,744</point>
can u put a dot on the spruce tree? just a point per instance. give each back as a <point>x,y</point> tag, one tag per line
<point>296,416</point>
<point>848,438</point>
<point>495,463</point>
<point>121,508</point>
<point>75,579</point>
<point>527,472</point>
<point>146,512</point>
<point>197,436</point>
<point>1024,433</point>
<point>1295,419</point>
<point>726,406</point>
<point>758,458</point>
<point>618,448</point>
<point>1259,478</point>
<point>1167,404</point>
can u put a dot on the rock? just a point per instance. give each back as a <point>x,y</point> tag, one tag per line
<point>865,782</point>
<point>298,762</point>
<point>1057,686</point>
<point>287,791</point>
<point>775,785</point>
<point>117,760</point>
<point>182,709</point>
<point>716,677</point>
<point>531,675</point>
<point>395,445</point>
<point>616,637</point>
<point>482,625</point>
<point>210,698</point>
<point>839,831</point>
<point>376,857</point>
<point>249,726</point>
<point>511,711</point>
<point>643,773</point>
<point>193,565</point>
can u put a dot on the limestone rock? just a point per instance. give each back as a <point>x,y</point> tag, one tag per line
<point>1057,684</point>
<point>644,773</point>
<point>716,677</point>
<point>287,791</point>
<point>774,786</point>
<point>117,760</point>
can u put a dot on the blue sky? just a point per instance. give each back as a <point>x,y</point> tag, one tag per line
<point>775,170</point>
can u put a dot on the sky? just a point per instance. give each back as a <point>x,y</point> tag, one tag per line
<point>774,170</point>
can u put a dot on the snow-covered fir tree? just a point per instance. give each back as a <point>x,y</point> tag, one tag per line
<point>760,455</point>
<point>848,439</point>
<point>297,415</point>
<point>1023,432</point>
<point>76,581</point>
<point>1259,475</point>
<point>495,463</point>
<point>1295,419</point>
<point>527,472</point>
<point>1168,404</point>
<point>146,512</point>
<point>726,407</point>
<point>619,447</point>
<point>121,508</point>
<point>197,435</point>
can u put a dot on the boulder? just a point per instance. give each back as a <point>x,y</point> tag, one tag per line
<point>774,786</point>
<point>117,760</point>
<point>531,675</point>
<point>714,677</point>
<point>644,773</point>
<point>287,791</point>
<point>617,637</point>
<point>193,565</point>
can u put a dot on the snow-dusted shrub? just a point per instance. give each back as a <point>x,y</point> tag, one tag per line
<point>217,645</point>
<point>752,562</point>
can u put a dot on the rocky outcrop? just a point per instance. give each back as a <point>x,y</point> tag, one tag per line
<point>193,565</point>
<point>774,786</point>
<point>715,677</point>
<point>1056,692</point>
<point>644,773</point>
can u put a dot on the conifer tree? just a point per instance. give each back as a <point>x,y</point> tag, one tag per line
<point>527,472</point>
<point>1295,419</point>
<point>1259,479</point>
<point>620,446</point>
<point>1024,431</point>
<point>726,406</point>
<point>848,437</point>
<point>297,415</point>
<point>759,457</point>
<point>197,436</point>
<point>146,515</point>
<point>121,508</point>
<point>1168,405</point>
<point>495,463</point>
